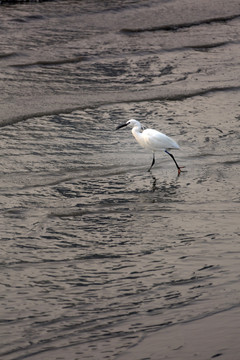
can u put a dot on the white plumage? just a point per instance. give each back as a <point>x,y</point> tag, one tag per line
<point>152,140</point>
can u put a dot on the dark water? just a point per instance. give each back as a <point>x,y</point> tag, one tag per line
<point>100,259</point>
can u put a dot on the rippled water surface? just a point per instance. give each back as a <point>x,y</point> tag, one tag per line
<point>101,259</point>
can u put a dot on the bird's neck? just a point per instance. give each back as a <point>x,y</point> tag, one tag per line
<point>136,131</point>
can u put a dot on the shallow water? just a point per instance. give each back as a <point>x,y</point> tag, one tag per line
<point>97,254</point>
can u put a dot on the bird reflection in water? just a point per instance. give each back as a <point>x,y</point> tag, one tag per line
<point>166,190</point>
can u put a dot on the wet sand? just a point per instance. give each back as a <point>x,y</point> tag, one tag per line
<point>212,337</point>
<point>179,65</point>
<point>99,258</point>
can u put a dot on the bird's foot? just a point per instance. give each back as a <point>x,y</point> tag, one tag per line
<point>180,169</point>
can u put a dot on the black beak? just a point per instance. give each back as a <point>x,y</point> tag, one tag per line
<point>120,126</point>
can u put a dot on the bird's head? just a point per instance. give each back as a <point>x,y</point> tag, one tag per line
<point>132,122</point>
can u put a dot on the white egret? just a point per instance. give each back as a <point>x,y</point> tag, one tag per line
<point>152,140</point>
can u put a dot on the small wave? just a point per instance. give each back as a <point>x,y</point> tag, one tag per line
<point>206,47</point>
<point>7,55</point>
<point>4,2</point>
<point>176,96</point>
<point>118,98</point>
<point>72,60</point>
<point>175,27</point>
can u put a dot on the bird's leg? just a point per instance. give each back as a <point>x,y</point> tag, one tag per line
<point>178,167</point>
<point>153,162</point>
<point>154,183</point>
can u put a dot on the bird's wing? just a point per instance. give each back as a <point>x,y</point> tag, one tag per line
<point>156,140</point>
